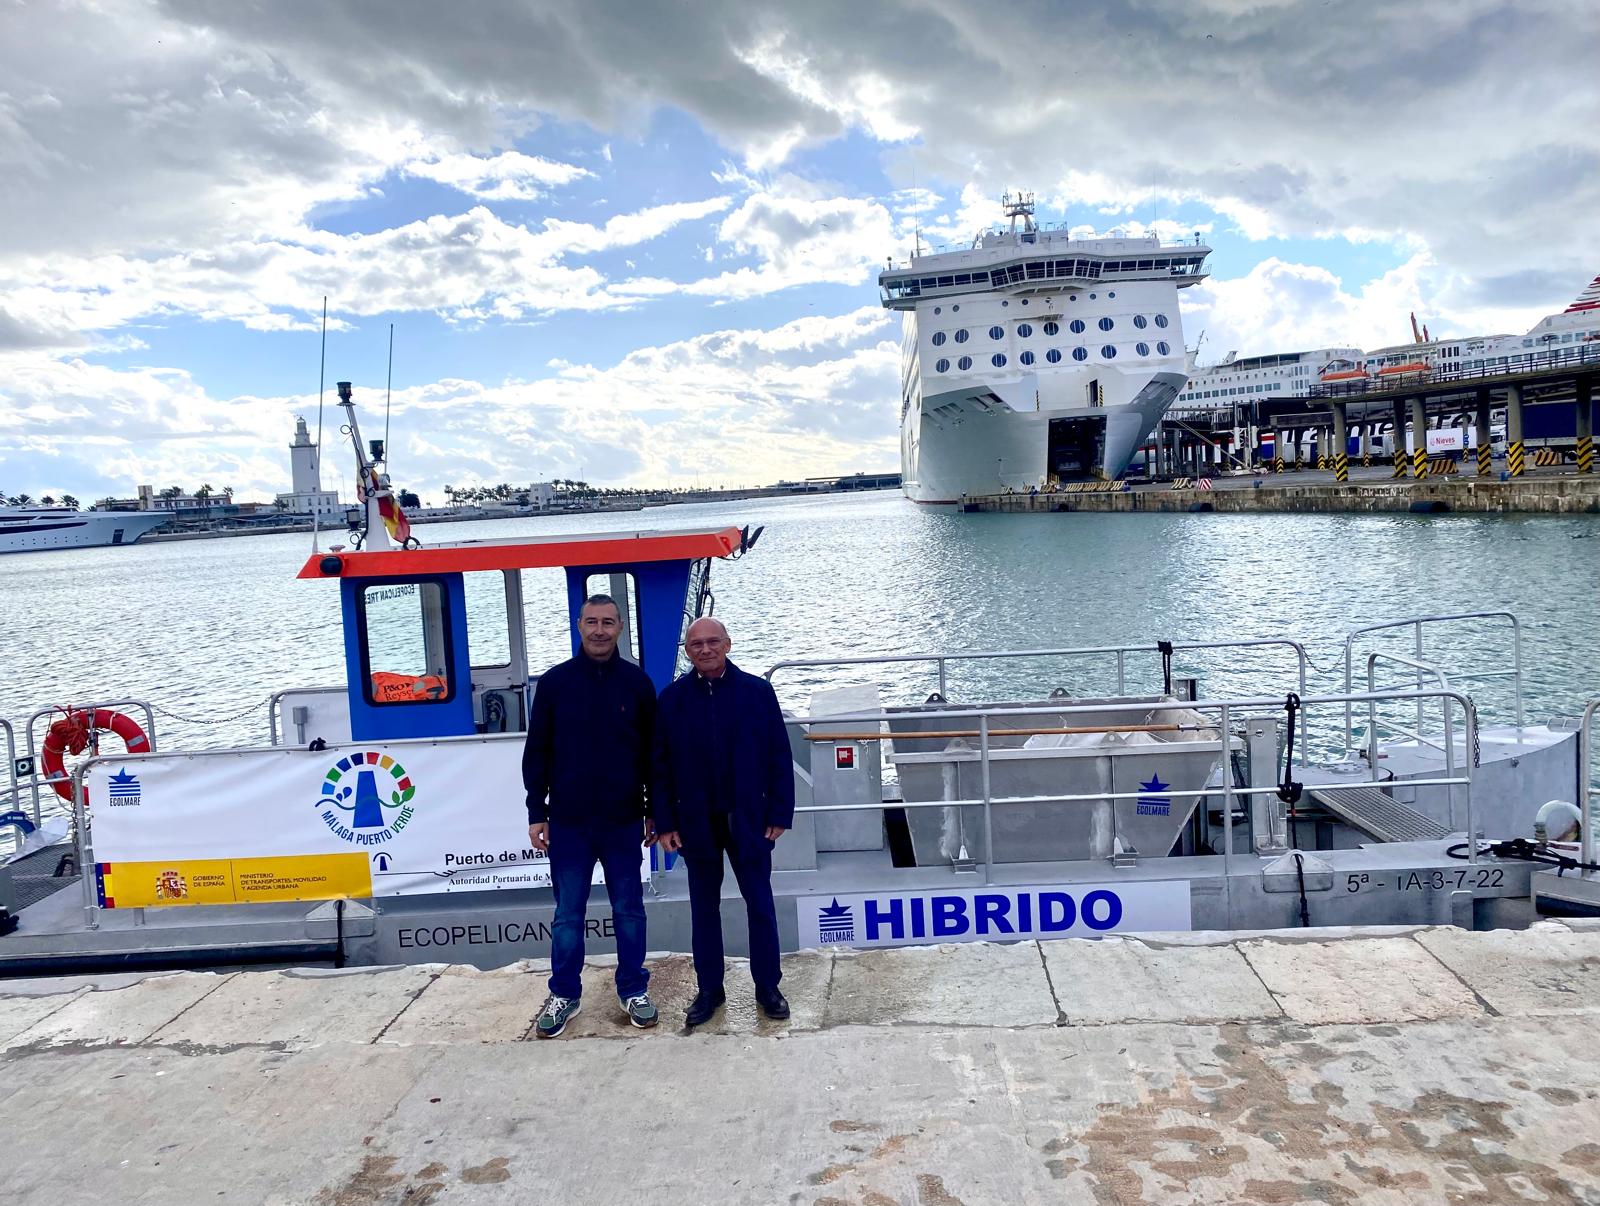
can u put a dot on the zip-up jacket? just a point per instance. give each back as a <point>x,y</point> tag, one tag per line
<point>587,757</point>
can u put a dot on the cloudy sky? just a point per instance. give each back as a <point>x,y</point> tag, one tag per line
<point>637,242</point>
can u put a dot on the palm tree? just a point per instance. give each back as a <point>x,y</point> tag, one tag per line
<point>172,494</point>
<point>23,500</point>
<point>203,497</point>
<point>49,500</point>
<point>68,501</point>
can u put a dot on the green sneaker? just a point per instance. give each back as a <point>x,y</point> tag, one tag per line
<point>641,1011</point>
<point>555,1015</point>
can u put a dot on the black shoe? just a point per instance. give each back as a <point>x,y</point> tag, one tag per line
<point>703,1006</point>
<point>773,1005</point>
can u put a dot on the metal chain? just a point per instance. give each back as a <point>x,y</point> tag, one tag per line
<point>1472,723</point>
<point>171,715</point>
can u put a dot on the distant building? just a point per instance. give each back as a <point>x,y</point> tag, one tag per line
<point>307,496</point>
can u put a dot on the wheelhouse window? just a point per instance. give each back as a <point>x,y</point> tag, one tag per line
<point>405,643</point>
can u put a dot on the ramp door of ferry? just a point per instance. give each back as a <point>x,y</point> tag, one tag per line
<point>1076,447</point>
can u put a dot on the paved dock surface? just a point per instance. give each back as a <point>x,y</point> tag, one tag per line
<point>1375,1066</point>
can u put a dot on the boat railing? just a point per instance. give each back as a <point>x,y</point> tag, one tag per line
<point>1120,654</point>
<point>275,706</point>
<point>1226,711</point>
<point>36,780</point>
<point>1588,789</point>
<point>1418,624</point>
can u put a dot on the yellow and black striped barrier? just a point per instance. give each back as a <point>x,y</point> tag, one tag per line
<point>1182,483</point>
<point>1341,467</point>
<point>1366,460</point>
<point>1443,466</point>
<point>1585,454</point>
<point>1419,463</point>
<point>1547,458</point>
<point>1484,467</point>
<point>1299,462</point>
<point>1277,464</point>
<point>1514,458</point>
<point>1399,463</point>
<point>1100,487</point>
<point>1322,461</point>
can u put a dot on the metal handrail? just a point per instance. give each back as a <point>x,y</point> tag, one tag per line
<point>1415,623</point>
<point>275,700</point>
<point>11,761</point>
<point>36,779</point>
<point>1226,708</point>
<point>1119,651</point>
<point>1587,792</point>
<point>1449,735</point>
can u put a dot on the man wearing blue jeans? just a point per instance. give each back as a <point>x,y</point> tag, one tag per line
<point>586,764</point>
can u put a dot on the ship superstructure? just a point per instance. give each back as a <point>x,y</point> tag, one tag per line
<point>1033,356</point>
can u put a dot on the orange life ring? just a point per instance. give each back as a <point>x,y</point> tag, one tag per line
<point>71,735</point>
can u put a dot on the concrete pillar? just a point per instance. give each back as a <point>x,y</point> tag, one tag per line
<point>1419,438</point>
<point>1583,413</point>
<point>1297,438</point>
<point>1485,467</point>
<point>1367,430</point>
<point>1280,445</point>
<point>1341,441</point>
<point>1514,450</point>
<point>1399,438</point>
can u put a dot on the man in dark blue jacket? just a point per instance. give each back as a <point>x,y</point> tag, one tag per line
<point>724,784</point>
<point>586,764</point>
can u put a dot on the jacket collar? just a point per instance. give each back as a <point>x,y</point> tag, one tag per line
<point>729,673</point>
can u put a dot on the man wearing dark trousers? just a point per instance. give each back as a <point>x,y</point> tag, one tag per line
<point>585,765</point>
<point>724,785</point>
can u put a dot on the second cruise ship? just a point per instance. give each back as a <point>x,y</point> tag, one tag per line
<point>1034,357</point>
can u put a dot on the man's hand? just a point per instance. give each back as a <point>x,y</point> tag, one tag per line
<point>670,842</point>
<point>649,832</point>
<point>774,832</point>
<point>539,835</point>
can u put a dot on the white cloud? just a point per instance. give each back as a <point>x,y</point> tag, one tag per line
<point>508,176</point>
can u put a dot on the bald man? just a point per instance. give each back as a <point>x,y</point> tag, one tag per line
<point>724,785</point>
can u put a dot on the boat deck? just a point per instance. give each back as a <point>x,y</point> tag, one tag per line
<point>1381,1066</point>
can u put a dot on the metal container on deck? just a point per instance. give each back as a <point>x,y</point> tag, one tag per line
<point>1045,768</point>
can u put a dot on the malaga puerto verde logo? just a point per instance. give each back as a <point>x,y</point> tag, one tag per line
<point>366,798</point>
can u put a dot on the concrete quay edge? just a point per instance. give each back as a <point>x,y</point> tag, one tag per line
<point>1379,1064</point>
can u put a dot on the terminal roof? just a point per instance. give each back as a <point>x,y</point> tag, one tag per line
<point>534,552</point>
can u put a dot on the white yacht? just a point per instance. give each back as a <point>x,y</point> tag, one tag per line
<point>1032,356</point>
<point>31,529</point>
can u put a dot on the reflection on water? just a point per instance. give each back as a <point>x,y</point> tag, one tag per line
<point>207,629</point>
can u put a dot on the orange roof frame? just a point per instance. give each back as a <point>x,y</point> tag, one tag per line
<point>598,548</point>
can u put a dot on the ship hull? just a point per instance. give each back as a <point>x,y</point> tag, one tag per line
<point>39,531</point>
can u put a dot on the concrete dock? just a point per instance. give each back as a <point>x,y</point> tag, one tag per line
<point>1376,1066</point>
<point>1369,491</point>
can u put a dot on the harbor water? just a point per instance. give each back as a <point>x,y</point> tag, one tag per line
<point>207,630</point>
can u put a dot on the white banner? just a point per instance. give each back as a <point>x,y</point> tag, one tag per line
<point>993,914</point>
<point>288,824</point>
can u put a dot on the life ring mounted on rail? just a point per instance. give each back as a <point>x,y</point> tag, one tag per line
<point>72,735</point>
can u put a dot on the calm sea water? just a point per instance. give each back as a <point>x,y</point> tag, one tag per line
<point>206,629</point>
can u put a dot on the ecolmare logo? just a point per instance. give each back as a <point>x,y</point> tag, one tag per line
<point>366,798</point>
<point>122,789</point>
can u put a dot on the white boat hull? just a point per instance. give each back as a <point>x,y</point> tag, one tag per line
<point>32,531</point>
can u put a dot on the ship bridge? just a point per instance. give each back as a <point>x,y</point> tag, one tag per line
<point>1033,261</point>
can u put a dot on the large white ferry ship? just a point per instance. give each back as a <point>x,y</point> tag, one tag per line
<point>30,529</point>
<point>1032,356</point>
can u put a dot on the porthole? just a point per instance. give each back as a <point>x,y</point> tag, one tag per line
<point>938,339</point>
<point>1024,330</point>
<point>1106,324</point>
<point>998,360</point>
<point>1053,355</point>
<point>1108,351</point>
<point>1026,358</point>
<point>1051,328</point>
<point>961,335</point>
<point>1076,326</point>
<point>1161,320</point>
<point>941,366</point>
<point>1142,348</point>
<point>1163,347</point>
<point>954,308</point>
<point>938,309</point>
<point>1111,294</point>
<point>1092,296</point>
<point>964,363</point>
<point>1005,303</point>
<point>1140,321</point>
<point>997,332</point>
<point>1080,353</point>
